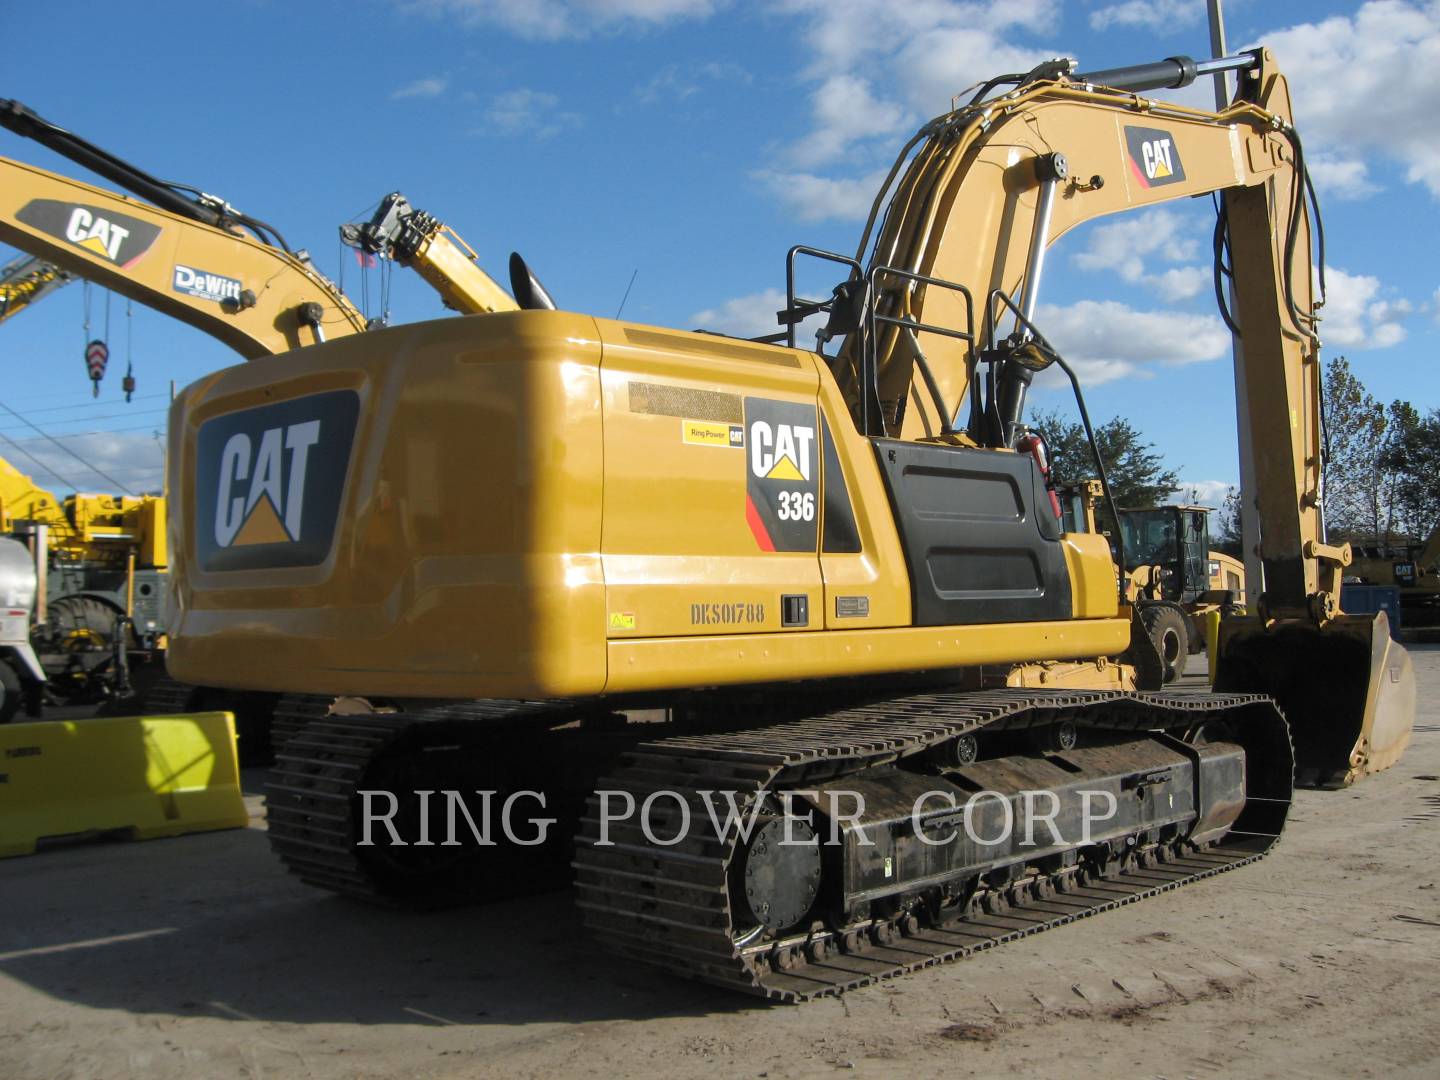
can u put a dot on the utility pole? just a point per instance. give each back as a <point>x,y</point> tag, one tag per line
<point>1249,519</point>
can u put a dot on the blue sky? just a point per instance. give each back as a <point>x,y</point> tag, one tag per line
<point>691,142</point>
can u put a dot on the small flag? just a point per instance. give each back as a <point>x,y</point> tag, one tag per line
<point>365,259</point>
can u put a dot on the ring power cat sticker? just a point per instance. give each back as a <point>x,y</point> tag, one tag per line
<point>1154,157</point>
<point>782,482</point>
<point>268,482</point>
<point>709,433</point>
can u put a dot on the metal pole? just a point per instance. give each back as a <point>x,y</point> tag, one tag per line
<point>1249,517</point>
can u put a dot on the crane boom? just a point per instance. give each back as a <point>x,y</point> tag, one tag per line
<point>25,280</point>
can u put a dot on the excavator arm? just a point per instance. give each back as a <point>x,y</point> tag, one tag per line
<point>433,250</point>
<point>258,299</point>
<point>962,244</point>
<point>992,186</point>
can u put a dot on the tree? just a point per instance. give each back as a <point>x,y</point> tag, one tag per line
<point>1137,473</point>
<point>1411,460</point>
<point>1226,536</point>
<point>1355,426</point>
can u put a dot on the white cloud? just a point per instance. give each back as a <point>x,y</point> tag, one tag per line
<point>1105,340</point>
<point>878,65</point>
<point>526,112</point>
<point>555,19</point>
<point>1355,316</point>
<point>845,111</point>
<point>1183,282</point>
<point>674,83</point>
<point>1365,84</point>
<point>744,316</point>
<point>1209,493</point>
<point>1122,245</point>
<point>430,87</point>
<point>1340,178</point>
<point>1160,15</point>
<point>936,66</point>
<point>134,459</point>
<point>821,198</point>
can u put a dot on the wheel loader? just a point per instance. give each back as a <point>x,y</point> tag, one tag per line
<point>769,646</point>
<point>1172,578</point>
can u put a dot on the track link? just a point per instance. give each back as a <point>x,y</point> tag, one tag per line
<point>314,803</point>
<point>670,906</point>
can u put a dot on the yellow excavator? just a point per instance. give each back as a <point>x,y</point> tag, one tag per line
<point>184,253</point>
<point>839,571</point>
<point>1413,569</point>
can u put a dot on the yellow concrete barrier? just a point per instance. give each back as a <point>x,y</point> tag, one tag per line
<point>146,776</point>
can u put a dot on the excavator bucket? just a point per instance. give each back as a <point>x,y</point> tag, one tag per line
<point>1347,689</point>
<point>140,776</point>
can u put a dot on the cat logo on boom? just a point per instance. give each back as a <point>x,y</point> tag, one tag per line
<point>269,481</point>
<point>1154,157</point>
<point>116,238</point>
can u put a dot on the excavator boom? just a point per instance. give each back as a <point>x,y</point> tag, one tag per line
<point>255,298</point>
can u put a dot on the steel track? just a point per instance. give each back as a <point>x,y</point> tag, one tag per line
<point>670,906</point>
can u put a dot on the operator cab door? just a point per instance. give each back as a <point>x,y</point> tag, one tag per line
<point>1194,554</point>
<point>712,485</point>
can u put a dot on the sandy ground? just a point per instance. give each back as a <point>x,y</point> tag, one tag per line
<point>198,957</point>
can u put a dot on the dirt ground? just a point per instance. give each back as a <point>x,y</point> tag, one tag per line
<point>198,957</point>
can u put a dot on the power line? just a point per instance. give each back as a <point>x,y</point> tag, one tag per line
<point>37,461</point>
<point>91,404</point>
<point>102,416</point>
<point>102,431</point>
<point>93,468</point>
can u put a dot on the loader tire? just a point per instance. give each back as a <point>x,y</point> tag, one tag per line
<point>82,623</point>
<point>12,694</point>
<point>1166,628</point>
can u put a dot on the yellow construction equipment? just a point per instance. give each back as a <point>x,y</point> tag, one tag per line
<point>101,565</point>
<point>191,256</point>
<point>841,573</point>
<point>1173,579</point>
<point>137,776</point>
<point>433,250</point>
<point>25,280</point>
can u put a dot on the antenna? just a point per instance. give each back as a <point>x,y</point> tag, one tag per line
<point>627,292</point>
